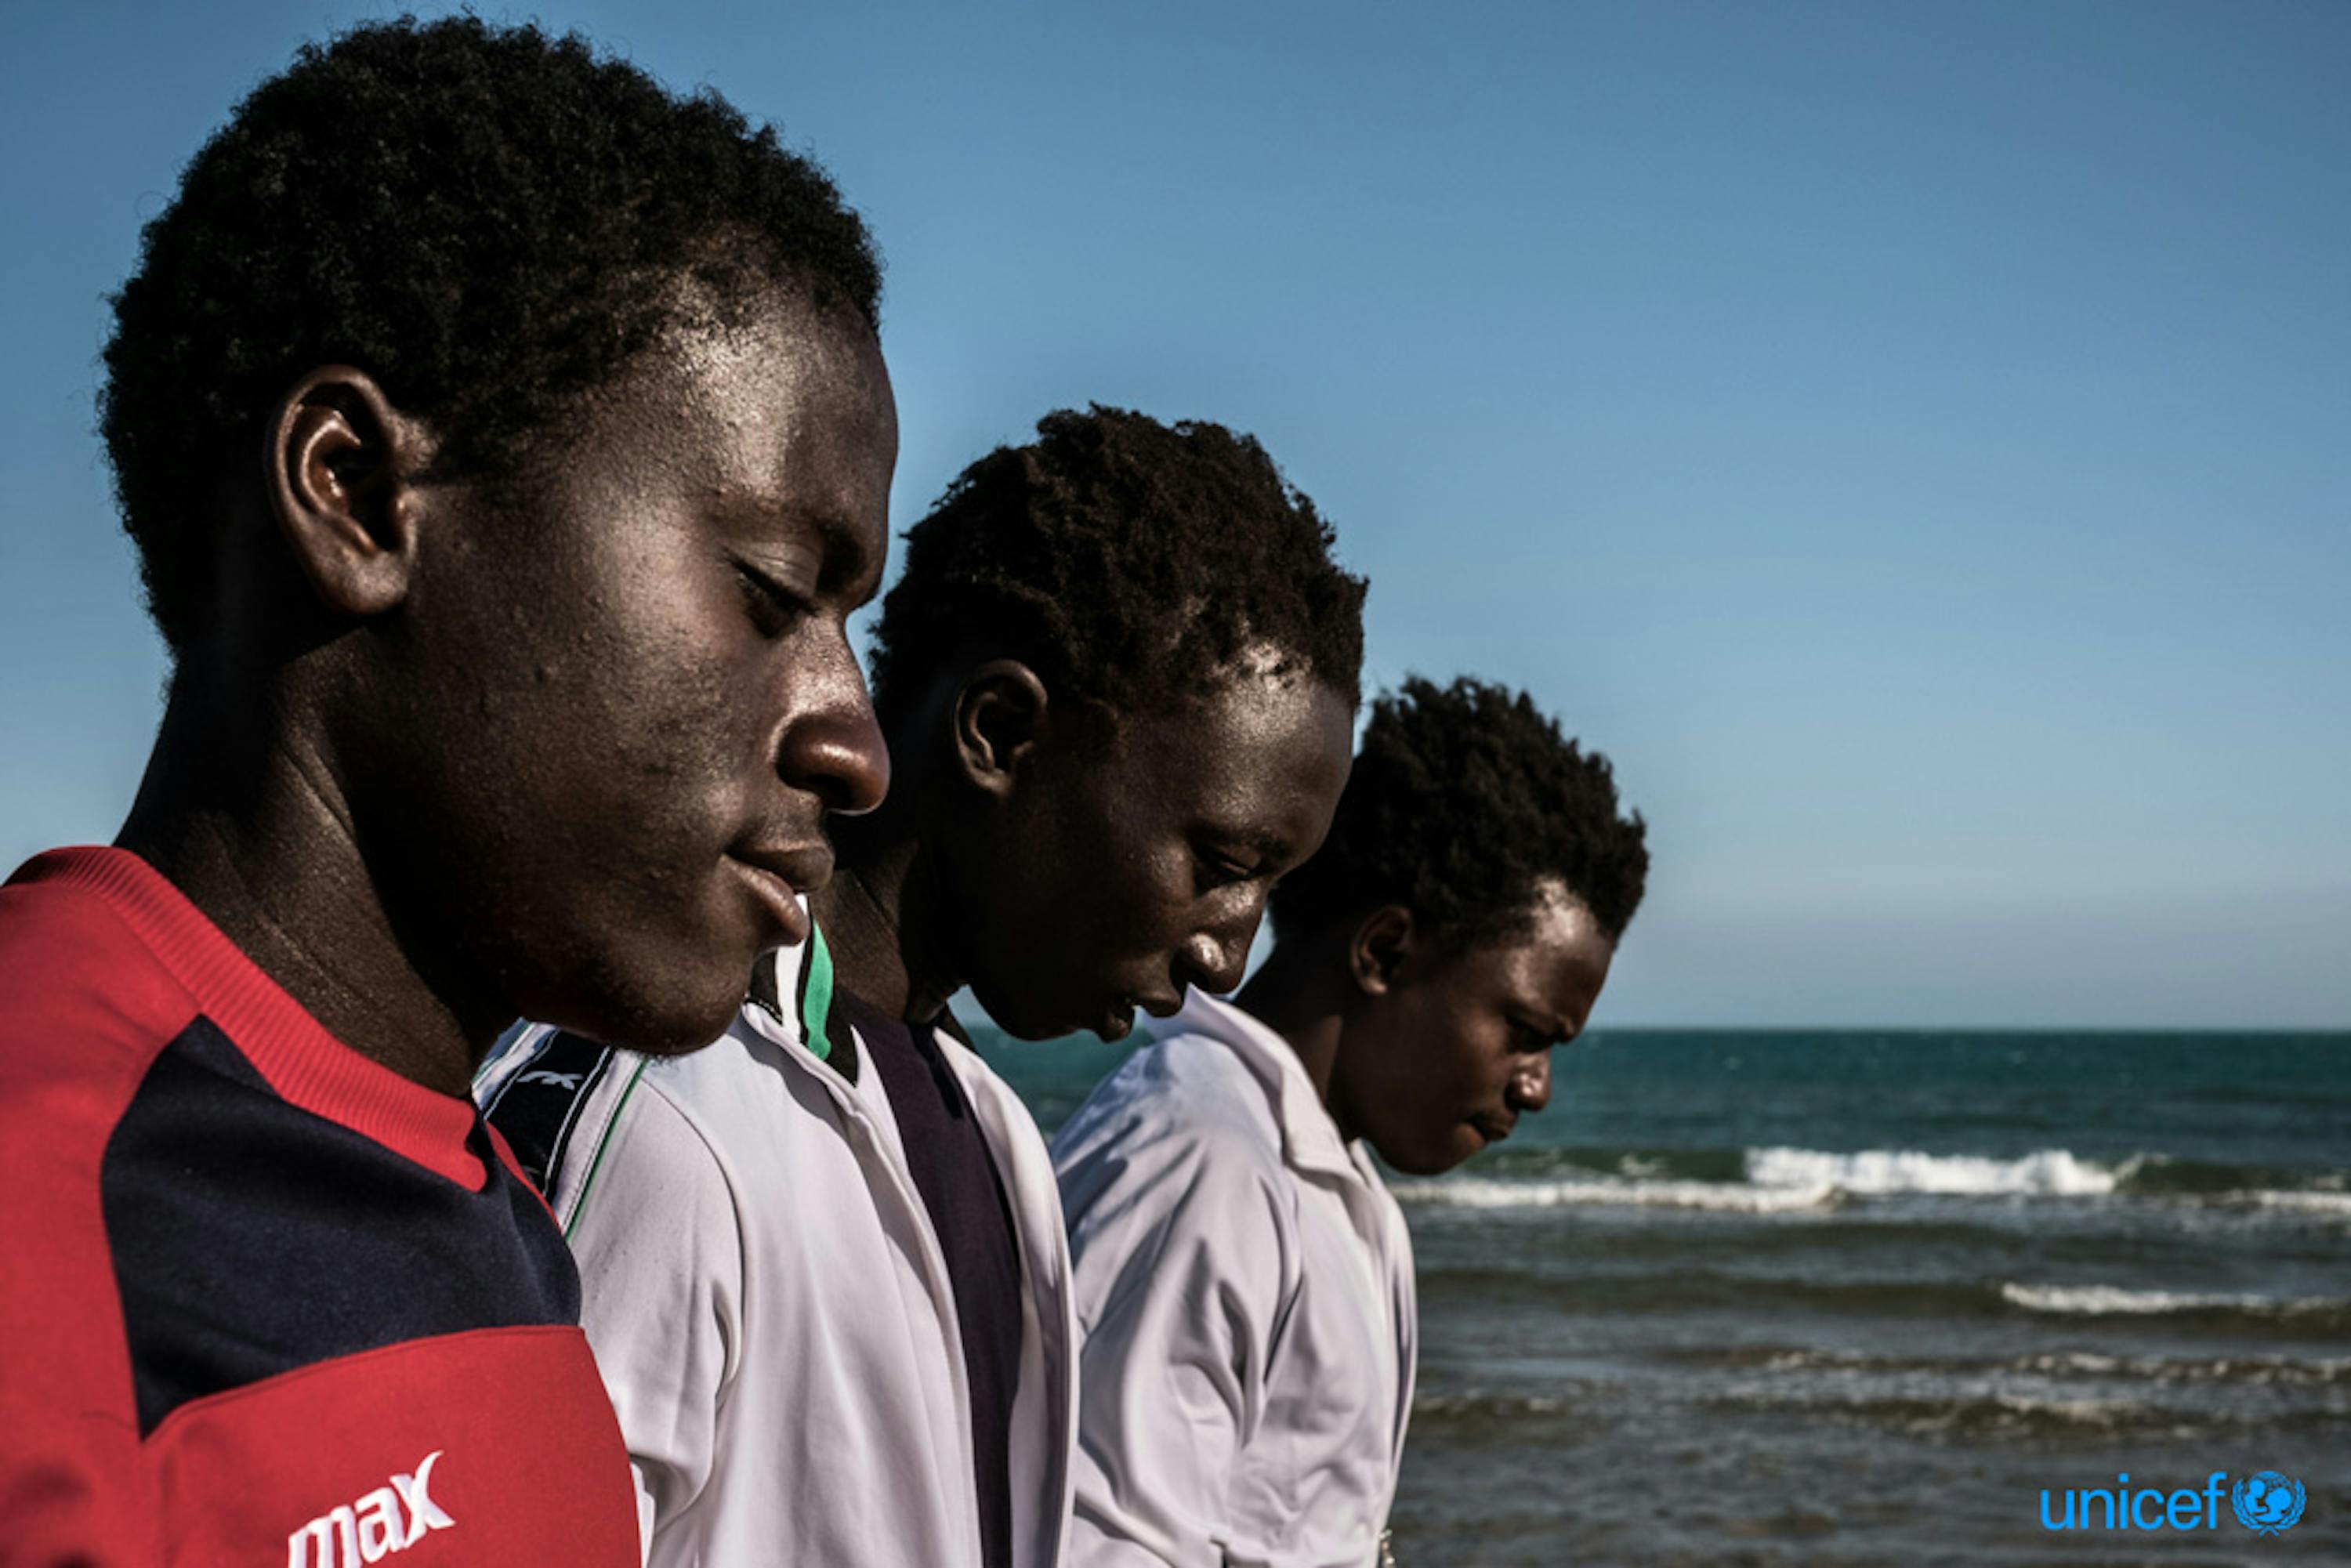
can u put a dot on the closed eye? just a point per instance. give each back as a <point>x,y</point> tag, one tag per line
<point>1534,1038</point>
<point>773,608</point>
<point>1214,868</point>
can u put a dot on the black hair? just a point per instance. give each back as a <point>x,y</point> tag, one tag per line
<point>487,220</point>
<point>1122,559</point>
<point>1465,801</point>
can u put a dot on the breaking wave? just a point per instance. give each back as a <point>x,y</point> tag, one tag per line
<point>2111,1301</point>
<point>2045,1173</point>
<point>1477,1192</point>
<point>1782,1180</point>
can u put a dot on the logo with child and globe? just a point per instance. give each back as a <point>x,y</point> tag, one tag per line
<point>2267,1503</point>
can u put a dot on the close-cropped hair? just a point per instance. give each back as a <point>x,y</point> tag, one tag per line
<point>1130,563</point>
<point>487,220</point>
<point>1466,800</point>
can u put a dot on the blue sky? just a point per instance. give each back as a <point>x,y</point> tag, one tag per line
<point>1913,442</point>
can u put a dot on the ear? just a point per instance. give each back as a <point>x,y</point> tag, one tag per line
<point>341,461</point>
<point>1383,940</point>
<point>1000,714</point>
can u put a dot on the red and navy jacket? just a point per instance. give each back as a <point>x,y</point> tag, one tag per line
<point>265,1300</point>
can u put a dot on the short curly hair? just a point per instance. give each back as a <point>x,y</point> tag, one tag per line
<point>1465,801</point>
<point>1121,558</point>
<point>489,220</point>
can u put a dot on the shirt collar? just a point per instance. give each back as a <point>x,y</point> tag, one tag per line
<point>301,1061</point>
<point>1310,1138</point>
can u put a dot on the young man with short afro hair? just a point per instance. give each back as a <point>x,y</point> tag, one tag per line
<point>1121,558</point>
<point>1243,1278</point>
<point>490,220</point>
<point>1119,679</point>
<point>506,441</point>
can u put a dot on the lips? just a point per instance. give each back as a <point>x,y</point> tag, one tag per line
<point>779,876</point>
<point>1164,1005</point>
<point>1493,1126</point>
<point>1117,1020</point>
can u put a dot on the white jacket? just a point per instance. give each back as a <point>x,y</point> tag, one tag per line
<point>1244,1285</point>
<point>771,1310</point>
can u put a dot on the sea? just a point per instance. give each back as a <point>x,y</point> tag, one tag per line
<point>1879,1297</point>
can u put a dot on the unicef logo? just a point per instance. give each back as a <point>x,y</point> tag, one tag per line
<point>2267,1503</point>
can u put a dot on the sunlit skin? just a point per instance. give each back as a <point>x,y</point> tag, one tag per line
<point>1073,869</point>
<point>1427,1053</point>
<point>561,748</point>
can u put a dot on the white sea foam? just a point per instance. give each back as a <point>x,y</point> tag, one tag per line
<point>1477,1192</point>
<point>2306,1202</point>
<point>2082,1412</point>
<point>1782,1180</point>
<point>2047,1173</point>
<point>2104,1301</point>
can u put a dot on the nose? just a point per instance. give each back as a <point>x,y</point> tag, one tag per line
<point>833,748</point>
<point>1530,1085</point>
<point>1211,963</point>
<point>1213,959</point>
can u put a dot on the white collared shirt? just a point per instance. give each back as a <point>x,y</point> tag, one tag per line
<point>1244,1284</point>
<point>772,1312</point>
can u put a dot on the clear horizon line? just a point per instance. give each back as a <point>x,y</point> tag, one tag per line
<point>2341,1030</point>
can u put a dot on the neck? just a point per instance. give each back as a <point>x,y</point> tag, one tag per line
<point>880,915</point>
<point>1295,995</point>
<point>246,817</point>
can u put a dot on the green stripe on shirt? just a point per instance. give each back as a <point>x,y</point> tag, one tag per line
<point>815,994</point>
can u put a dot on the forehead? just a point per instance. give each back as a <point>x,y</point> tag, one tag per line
<point>778,411</point>
<point>1558,964</point>
<point>1256,755</point>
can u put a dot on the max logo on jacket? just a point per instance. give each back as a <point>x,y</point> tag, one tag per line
<point>389,1518</point>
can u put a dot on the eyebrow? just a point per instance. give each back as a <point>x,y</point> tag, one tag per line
<point>1553,1027</point>
<point>847,558</point>
<point>843,552</point>
<point>1271,846</point>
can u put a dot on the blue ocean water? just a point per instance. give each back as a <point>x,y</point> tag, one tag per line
<point>1860,1297</point>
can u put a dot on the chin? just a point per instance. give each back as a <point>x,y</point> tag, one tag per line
<point>1050,1019</point>
<point>1419,1160</point>
<point>669,1021</point>
<point>682,1039</point>
<point>1020,1023</point>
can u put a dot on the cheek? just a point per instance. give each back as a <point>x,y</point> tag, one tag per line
<point>634,624</point>
<point>1452,1086</point>
<point>1106,929</point>
<point>665,695</point>
<point>596,789</point>
<point>1107,889</point>
<point>1439,1083</point>
<point>632,758</point>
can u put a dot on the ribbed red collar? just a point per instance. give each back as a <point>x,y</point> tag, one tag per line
<point>301,1061</point>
